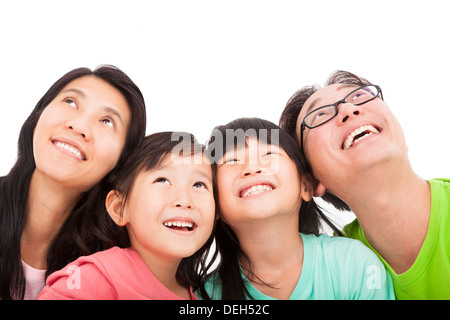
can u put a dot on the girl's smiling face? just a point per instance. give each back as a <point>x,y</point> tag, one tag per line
<point>170,210</point>
<point>80,135</point>
<point>258,181</point>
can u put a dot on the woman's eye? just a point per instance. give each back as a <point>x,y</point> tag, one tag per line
<point>162,180</point>
<point>108,122</point>
<point>199,185</point>
<point>70,102</point>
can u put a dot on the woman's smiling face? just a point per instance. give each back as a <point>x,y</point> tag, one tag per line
<point>80,135</point>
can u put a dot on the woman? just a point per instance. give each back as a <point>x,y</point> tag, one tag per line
<point>52,200</point>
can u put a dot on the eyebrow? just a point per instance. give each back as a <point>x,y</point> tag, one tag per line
<point>107,109</point>
<point>116,113</point>
<point>203,175</point>
<point>76,91</point>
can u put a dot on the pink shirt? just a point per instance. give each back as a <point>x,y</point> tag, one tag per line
<point>114,274</point>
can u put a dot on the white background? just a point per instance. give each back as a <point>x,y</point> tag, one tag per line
<point>203,63</point>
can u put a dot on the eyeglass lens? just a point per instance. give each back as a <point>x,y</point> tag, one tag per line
<point>323,114</point>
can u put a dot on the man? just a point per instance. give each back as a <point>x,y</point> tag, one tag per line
<point>358,154</point>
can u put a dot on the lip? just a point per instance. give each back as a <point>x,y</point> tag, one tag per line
<point>352,129</point>
<point>244,189</point>
<point>72,144</point>
<point>180,225</point>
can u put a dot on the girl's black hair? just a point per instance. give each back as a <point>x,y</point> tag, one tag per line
<point>310,215</point>
<point>155,148</point>
<point>88,229</point>
<point>288,119</point>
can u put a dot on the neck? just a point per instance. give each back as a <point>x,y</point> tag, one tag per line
<point>274,249</point>
<point>48,207</point>
<point>269,242</point>
<point>393,208</point>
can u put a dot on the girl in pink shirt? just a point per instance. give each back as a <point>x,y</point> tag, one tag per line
<point>164,197</point>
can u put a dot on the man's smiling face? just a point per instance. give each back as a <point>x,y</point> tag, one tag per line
<point>356,139</point>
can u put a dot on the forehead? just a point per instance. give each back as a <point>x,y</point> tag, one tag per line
<point>89,82</point>
<point>92,88</point>
<point>175,160</point>
<point>247,143</point>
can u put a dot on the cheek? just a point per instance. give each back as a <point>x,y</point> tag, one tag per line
<point>319,141</point>
<point>208,214</point>
<point>46,121</point>
<point>45,127</point>
<point>108,151</point>
<point>225,203</point>
<point>224,185</point>
<point>142,212</point>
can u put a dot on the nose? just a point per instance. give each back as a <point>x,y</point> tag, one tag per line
<point>183,204</point>
<point>251,170</point>
<point>182,200</point>
<point>79,126</point>
<point>348,111</point>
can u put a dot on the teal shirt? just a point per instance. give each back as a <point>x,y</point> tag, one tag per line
<point>333,269</point>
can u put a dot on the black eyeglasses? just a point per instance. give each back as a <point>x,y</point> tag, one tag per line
<point>322,115</point>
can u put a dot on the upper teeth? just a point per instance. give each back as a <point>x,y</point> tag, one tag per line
<point>349,140</point>
<point>67,147</point>
<point>256,189</point>
<point>179,224</point>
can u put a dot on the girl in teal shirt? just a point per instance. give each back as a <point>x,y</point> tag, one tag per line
<point>268,232</point>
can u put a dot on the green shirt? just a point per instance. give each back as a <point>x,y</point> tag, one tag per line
<point>429,276</point>
<point>333,269</point>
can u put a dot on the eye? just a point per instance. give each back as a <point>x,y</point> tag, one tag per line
<point>199,185</point>
<point>320,115</point>
<point>162,180</point>
<point>270,153</point>
<point>108,122</point>
<point>360,95</point>
<point>71,102</point>
<point>230,160</point>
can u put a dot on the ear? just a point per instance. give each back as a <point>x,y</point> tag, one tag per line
<point>114,206</point>
<point>306,190</point>
<point>320,190</point>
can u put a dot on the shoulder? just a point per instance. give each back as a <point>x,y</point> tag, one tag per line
<point>354,230</point>
<point>340,252</point>
<point>88,277</point>
<point>334,244</point>
<point>440,181</point>
<point>440,190</point>
<point>213,287</point>
<point>351,266</point>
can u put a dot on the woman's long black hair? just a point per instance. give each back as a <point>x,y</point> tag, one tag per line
<point>310,215</point>
<point>87,229</point>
